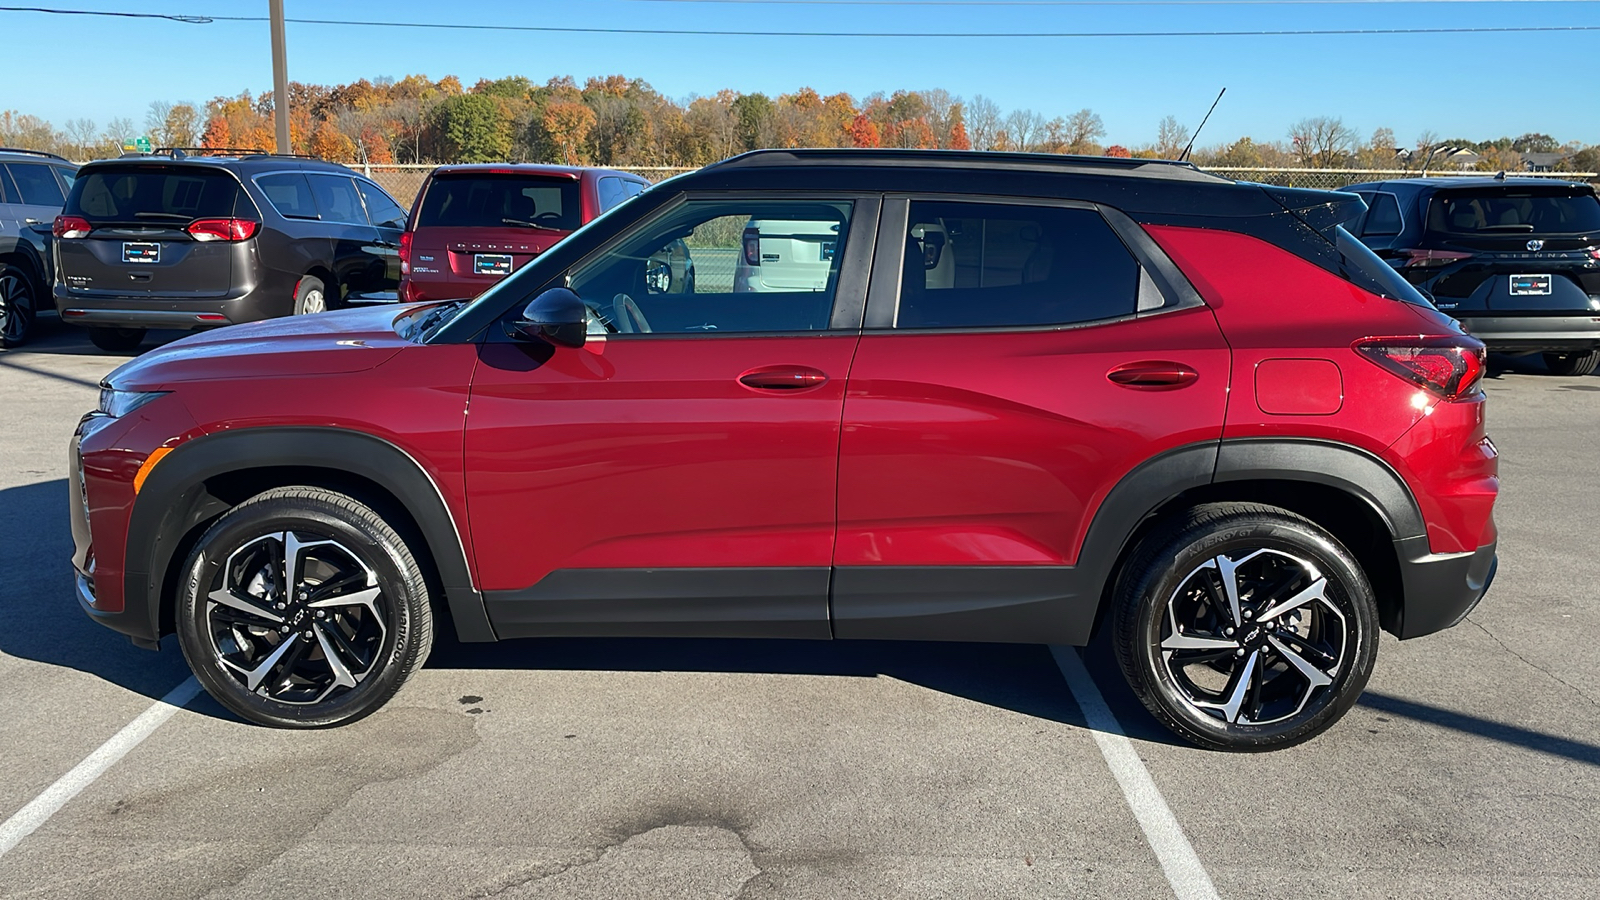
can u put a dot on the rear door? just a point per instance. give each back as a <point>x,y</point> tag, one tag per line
<point>1019,359</point>
<point>138,246</point>
<point>390,221</point>
<point>358,254</point>
<point>39,199</point>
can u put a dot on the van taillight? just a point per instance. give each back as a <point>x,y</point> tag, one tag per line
<point>752,246</point>
<point>71,227</point>
<point>1425,259</point>
<point>1450,366</point>
<point>223,229</point>
<point>405,252</point>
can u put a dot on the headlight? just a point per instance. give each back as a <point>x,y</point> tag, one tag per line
<point>115,403</point>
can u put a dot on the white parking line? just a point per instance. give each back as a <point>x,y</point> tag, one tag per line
<point>1178,860</point>
<point>41,808</point>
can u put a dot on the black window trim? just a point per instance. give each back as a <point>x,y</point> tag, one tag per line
<point>1398,208</point>
<point>255,180</point>
<point>849,295</point>
<point>1157,272</point>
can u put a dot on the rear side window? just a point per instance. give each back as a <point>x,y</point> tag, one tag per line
<point>337,200</point>
<point>473,200</point>
<point>36,184</point>
<point>289,193</point>
<point>385,213</point>
<point>974,265</point>
<point>1366,270</point>
<point>1511,211</point>
<point>148,194</point>
<point>1383,216</point>
<point>612,192</point>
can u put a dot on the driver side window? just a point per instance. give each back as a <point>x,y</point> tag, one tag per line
<point>721,266</point>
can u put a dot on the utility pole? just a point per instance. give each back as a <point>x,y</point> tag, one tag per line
<point>280,77</point>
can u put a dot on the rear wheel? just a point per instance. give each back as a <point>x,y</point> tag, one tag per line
<point>310,297</point>
<point>1572,363</point>
<point>116,340</point>
<point>18,306</point>
<point>302,608</point>
<point>1245,627</point>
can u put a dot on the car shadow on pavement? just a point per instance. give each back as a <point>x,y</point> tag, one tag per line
<point>39,615</point>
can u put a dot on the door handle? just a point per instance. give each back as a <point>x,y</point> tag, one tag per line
<point>783,378</point>
<point>1153,375</point>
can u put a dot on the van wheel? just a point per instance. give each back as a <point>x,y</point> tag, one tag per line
<point>1245,627</point>
<point>18,306</point>
<point>1574,364</point>
<point>310,297</point>
<point>116,340</point>
<point>302,608</point>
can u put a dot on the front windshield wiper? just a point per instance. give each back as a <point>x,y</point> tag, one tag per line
<point>526,224</point>
<point>435,318</point>
<point>1522,228</point>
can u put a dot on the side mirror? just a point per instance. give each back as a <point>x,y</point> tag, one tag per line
<point>557,316</point>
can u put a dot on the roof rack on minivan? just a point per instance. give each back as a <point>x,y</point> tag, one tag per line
<point>181,152</point>
<point>34,153</point>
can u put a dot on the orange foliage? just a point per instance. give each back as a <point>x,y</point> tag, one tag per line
<point>863,132</point>
<point>327,142</point>
<point>1119,151</point>
<point>958,137</point>
<point>217,133</point>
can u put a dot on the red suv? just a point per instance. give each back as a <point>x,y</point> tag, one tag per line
<point>1032,397</point>
<point>473,225</point>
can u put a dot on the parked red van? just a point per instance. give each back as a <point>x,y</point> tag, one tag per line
<point>472,225</point>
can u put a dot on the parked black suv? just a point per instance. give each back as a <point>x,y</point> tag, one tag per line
<point>33,185</point>
<point>170,240</point>
<point>1516,260</point>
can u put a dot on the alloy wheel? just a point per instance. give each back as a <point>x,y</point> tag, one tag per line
<point>16,306</point>
<point>297,618</point>
<point>315,302</point>
<point>1250,637</point>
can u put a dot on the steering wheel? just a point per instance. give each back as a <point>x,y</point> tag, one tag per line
<point>547,217</point>
<point>629,319</point>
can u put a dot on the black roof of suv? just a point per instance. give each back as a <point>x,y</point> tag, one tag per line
<point>180,240</point>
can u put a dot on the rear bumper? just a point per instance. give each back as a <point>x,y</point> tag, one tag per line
<point>1534,333</point>
<point>134,311</point>
<point>1441,589</point>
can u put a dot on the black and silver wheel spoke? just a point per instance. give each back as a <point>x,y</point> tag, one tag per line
<point>297,617</point>
<point>1251,637</point>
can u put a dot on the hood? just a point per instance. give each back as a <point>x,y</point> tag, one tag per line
<point>331,343</point>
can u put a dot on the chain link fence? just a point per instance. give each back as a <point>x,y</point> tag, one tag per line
<point>403,181</point>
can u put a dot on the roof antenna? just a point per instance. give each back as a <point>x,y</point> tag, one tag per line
<point>1189,146</point>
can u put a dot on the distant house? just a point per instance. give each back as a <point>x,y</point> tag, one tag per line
<point>1543,162</point>
<point>1463,159</point>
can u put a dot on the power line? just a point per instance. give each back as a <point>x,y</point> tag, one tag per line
<point>713,32</point>
<point>892,3</point>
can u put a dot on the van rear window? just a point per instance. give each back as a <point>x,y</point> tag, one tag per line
<point>474,200</point>
<point>1513,211</point>
<point>153,194</point>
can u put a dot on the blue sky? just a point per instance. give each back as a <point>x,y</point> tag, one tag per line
<point>1472,86</point>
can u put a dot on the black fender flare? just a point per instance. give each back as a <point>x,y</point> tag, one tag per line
<point>1348,468</point>
<point>174,499</point>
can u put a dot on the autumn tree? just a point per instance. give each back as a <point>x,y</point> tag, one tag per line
<point>1322,142</point>
<point>568,125</point>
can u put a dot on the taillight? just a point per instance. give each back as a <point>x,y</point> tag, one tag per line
<point>1450,366</point>
<point>405,252</point>
<point>71,227</point>
<point>223,229</point>
<point>1423,259</point>
<point>752,246</point>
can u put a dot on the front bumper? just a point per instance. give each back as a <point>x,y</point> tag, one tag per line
<point>1442,588</point>
<point>1534,333</point>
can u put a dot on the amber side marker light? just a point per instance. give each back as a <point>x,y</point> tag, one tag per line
<point>149,464</point>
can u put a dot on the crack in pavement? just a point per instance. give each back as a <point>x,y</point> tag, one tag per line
<point>1531,664</point>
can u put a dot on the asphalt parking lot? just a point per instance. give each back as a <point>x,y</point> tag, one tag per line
<point>663,769</point>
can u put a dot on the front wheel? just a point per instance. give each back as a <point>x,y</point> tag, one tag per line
<point>1572,364</point>
<point>18,307</point>
<point>302,608</point>
<point>1245,627</point>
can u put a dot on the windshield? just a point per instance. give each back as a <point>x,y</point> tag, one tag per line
<point>1515,211</point>
<point>479,200</point>
<point>153,195</point>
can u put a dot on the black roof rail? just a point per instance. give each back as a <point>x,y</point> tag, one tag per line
<point>180,152</point>
<point>34,153</point>
<point>265,155</point>
<point>1042,162</point>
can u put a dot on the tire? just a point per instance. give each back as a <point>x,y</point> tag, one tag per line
<point>310,297</point>
<point>297,659</point>
<point>19,305</point>
<point>1572,364</point>
<point>1218,679</point>
<point>116,340</point>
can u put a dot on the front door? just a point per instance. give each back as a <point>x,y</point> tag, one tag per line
<point>1018,361</point>
<point>677,473</point>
